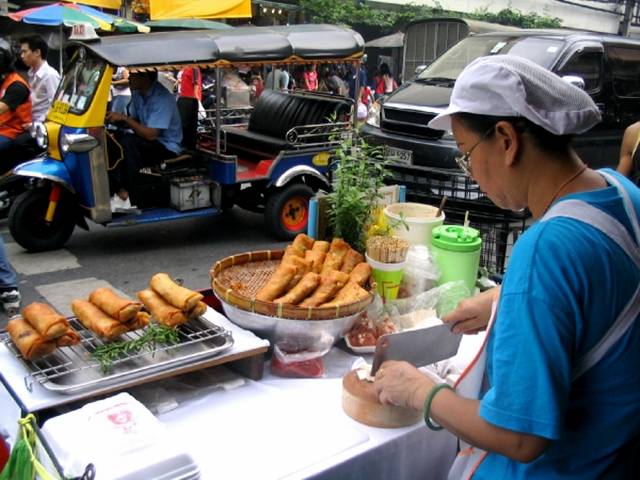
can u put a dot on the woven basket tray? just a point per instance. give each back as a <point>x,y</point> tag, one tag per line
<point>237,280</point>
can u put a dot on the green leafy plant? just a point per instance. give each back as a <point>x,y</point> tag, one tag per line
<point>358,173</point>
<point>389,18</point>
<point>153,335</point>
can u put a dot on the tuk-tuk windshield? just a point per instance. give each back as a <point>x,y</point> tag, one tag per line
<point>80,82</point>
<point>541,50</point>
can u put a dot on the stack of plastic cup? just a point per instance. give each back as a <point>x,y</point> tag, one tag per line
<point>388,277</point>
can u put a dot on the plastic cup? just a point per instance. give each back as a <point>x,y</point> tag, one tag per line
<point>388,277</point>
<point>419,217</point>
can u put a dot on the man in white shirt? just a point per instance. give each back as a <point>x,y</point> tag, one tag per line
<point>277,79</point>
<point>43,79</point>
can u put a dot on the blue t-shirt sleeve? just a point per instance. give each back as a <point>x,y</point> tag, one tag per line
<point>160,112</point>
<point>532,340</point>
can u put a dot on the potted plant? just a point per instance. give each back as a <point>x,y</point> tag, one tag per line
<point>358,172</point>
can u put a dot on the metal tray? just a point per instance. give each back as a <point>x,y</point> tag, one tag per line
<point>71,370</point>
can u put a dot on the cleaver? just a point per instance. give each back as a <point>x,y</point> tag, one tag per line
<point>419,347</point>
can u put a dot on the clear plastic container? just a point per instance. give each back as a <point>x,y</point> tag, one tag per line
<point>123,440</point>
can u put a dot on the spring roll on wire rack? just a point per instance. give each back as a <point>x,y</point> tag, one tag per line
<point>119,308</point>
<point>180,297</point>
<point>96,320</point>
<point>161,310</point>
<point>31,344</point>
<point>47,322</point>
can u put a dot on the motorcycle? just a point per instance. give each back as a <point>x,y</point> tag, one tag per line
<point>24,149</point>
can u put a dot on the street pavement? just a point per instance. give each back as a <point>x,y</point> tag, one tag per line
<point>125,258</point>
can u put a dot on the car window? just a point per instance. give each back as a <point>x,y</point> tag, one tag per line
<point>541,50</point>
<point>625,70</point>
<point>586,65</point>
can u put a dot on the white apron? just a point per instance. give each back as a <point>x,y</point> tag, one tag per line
<point>472,382</point>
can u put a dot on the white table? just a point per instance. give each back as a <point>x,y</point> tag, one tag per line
<point>278,428</point>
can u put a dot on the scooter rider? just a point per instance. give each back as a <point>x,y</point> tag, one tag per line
<point>15,102</point>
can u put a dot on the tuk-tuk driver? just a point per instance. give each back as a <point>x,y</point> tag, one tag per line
<point>157,130</point>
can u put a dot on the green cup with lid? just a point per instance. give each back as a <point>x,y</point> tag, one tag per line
<point>456,250</point>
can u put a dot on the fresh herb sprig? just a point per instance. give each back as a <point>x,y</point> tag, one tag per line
<point>358,172</point>
<point>153,335</point>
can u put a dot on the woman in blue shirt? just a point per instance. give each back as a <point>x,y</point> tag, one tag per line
<point>555,391</point>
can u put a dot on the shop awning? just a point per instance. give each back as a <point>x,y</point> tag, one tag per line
<point>110,4</point>
<point>159,9</point>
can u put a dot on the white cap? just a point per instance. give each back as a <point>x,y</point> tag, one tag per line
<point>511,86</point>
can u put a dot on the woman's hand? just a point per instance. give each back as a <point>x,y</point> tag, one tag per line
<point>472,314</point>
<point>401,384</point>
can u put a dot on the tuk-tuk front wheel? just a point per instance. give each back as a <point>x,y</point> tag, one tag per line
<point>27,222</point>
<point>287,211</point>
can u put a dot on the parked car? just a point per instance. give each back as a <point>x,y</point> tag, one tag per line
<point>605,66</point>
<point>608,66</point>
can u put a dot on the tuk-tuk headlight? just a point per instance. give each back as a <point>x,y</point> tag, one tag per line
<point>77,142</point>
<point>41,135</point>
<point>373,117</point>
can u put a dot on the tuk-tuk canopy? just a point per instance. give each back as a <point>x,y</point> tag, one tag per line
<point>280,44</point>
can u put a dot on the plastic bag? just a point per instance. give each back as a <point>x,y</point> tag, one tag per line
<point>421,272</point>
<point>301,364</point>
<point>443,299</point>
<point>361,111</point>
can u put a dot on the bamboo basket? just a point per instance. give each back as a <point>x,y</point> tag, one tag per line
<point>237,280</point>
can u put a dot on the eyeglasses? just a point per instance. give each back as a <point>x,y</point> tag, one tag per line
<point>464,160</point>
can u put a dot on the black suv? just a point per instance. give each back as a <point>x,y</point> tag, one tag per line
<point>423,159</point>
<point>608,65</point>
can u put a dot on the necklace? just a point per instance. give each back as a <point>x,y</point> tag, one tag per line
<point>564,184</point>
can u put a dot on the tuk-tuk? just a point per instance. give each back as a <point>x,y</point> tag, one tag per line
<point>270,158</point>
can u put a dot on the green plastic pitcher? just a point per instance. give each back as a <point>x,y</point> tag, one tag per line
<point>456,250</point>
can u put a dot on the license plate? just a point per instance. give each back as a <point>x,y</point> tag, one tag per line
<point>398,155</point>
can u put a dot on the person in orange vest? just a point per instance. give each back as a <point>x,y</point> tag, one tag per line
<point>15,102</point>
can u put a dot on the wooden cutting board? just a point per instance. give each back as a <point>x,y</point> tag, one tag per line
<point>360,402</point>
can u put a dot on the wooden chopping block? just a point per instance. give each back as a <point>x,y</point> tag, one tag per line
<point>360,402</point>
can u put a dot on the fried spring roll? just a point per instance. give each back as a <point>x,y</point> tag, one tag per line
<point>351,259</point>
<point>350,293</point>
<point>68,338</point>
<point>141,320</point>
<point>122,309</point>
<point>31,344</point>
<point>302,290</point>
<point>292,251</point>
<point>277,284</point>
<point>320,246</point>
<point>180,297</point>
<point>302,242</point>
<point>335,256</point>
<point>47,322</point>
<point>361,273</point>
<point>198,310</point>
<point>96,320</point>
<point>303,266</point>
<point>164,312</point>
<point>316,257</point>
<point>330,283</point>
